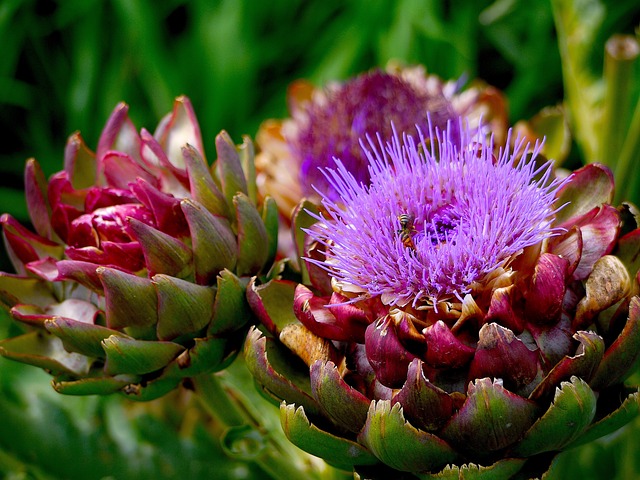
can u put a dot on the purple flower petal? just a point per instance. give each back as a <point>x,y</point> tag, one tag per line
<point>177,129</point>
<point>434,221</point>
<point>118,134</point>
<point>120,170</point>
<point>79,162</point>
<point>35,185</point>
<point>332,124</point>
<point>599,228</point>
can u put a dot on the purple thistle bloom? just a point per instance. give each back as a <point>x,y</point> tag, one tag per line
<point>434,221</point>
<point>331,126</point>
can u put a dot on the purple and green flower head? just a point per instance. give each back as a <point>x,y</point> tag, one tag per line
<point>465,308</point>
<point>438,217</point>
<point>134,278</point>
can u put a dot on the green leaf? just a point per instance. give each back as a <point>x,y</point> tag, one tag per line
<point>246,152</point>
<point>577,24</point>
<point>214,244</point>
<point>500,470</point>
<point>162,253</point>
<point>344,404</point>
<point>130,301</point>
<point>424,404</point>
<point>278,371</point>
<point>273,303</point>
<point>399,444</point>
<point>271,223</point>
<point>81,162</point>
<point>92,385</point>
<point>202,187</point>
<point>209,354</point>
<point>571,412</point>
<point>621,356</point>
<point>229,167</point>
<point>620,58</point>
<point>583,364</point>
<point>127,355</point>
<point>80,337</point>
<point>300,219</point>
<point>626,412</point>
<point>230,309</point>
<point>150,390</point>
<point>15,289</point>
<point>335,450</point>
<point>490,419</point>
<point>45,351</point>
<point>184,308</point>
<point>253,241</point>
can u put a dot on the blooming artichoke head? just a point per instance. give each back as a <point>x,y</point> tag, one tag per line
<point>330,122</point>
<point>466,308</point>
<point>135,275</point>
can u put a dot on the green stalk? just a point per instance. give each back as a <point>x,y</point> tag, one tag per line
<point>627,182</point>
<point>621,52</point>
<point>577,24</point>
<point>246,438</point>
<point>215,400</point>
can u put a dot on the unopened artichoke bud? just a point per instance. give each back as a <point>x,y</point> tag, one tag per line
<point>479,313</point>
<point>136,273</point>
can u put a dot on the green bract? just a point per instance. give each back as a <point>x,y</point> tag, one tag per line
<point>135,276</point>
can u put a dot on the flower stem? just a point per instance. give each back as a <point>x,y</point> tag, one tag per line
<point>247,437</point>
<point>216,401</point>
<point>621,52</point>
<point>627,183</point>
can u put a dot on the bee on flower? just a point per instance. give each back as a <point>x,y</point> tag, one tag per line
<point>406,230</point>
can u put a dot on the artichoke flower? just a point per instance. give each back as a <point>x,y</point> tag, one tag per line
<point>136,273</point>
<point>466,313</point>
<point>331,121</point>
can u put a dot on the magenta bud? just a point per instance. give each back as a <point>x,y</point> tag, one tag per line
<point>166,209</point>
<point>501,309</point>
<point>500,354</point>
<point>425,405</point>
<point>599,228</point>
<point>546,291</point>
<point>444,349</point>
<point>340,322</point>
<point>387,355</point>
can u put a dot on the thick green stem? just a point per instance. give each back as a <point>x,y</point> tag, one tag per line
<point>577,24</point>
<point>621,52</point>
<point>626,176</point>
<point>215,400</point>
<point>245,432</point>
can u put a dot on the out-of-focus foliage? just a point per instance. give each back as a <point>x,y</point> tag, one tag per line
<point>45,435</point>
<point>65,64</point>
<point>602,87</point>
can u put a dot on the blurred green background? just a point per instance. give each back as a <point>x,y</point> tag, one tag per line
<point>65,65</point>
